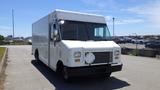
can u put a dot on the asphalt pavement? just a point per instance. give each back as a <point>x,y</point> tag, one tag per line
<point>24,73</point>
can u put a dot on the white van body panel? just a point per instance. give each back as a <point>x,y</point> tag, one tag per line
<point>40,38</point>
<point>88,46</point>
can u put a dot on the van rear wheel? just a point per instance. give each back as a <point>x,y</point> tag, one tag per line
<point>36,55</point>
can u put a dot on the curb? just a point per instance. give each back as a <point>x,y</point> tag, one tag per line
<point>3,60</point>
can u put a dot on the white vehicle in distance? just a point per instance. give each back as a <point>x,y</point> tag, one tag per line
<point>75,44</point>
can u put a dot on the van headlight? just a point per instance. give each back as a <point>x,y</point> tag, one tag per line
<point>77,54</point>
<point>116,54</point>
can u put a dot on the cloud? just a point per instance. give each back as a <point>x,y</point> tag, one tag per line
<point>4,28</point>
<point>96,3</point>
<point>101,4</point>
<point>95,11</point>
<point>151,11</point>
<point>130,21</point>
<point>3,18</point>
<point>118,21</point>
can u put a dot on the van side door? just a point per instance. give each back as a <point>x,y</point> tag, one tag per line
<point>54,51</point>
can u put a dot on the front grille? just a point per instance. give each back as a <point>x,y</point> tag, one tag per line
<point>102,57</point>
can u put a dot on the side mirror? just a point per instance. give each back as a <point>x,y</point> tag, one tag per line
<point>55,35</point>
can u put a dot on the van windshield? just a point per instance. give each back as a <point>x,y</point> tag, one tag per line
<point>73,30</point>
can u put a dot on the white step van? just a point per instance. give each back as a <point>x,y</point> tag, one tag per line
<point>75,44</point>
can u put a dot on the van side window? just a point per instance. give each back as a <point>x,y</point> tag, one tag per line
<point>53,27</point>
<point>98,32</point>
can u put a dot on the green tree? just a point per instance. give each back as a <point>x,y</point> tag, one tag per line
<point>1,38</point>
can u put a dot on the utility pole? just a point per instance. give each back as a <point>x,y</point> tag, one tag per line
<point>113,26</point>
<point>136,44</point>
<point>136,41</point>
<point>13,22</point>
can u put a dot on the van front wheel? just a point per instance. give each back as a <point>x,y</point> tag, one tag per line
<point>65,74</point>
<point>106,75</point>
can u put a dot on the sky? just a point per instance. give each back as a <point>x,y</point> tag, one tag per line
<point>131,16</point>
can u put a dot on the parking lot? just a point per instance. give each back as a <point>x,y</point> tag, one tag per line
<point>132,46</point>
<point>23,73</point>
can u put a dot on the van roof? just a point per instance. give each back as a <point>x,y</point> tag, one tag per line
<point>78,16</point>
<point>67,11</point>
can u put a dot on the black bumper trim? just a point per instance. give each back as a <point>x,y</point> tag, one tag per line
<point>93,70</point>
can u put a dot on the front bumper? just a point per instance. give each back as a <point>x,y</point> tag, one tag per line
<point>93,70</point>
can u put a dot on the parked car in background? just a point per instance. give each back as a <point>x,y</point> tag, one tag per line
<point>122,40</point>
<point>153,44</point>
<point>138,41</point>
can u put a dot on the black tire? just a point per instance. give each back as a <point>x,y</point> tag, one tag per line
<point>106,75</point>
<point>65,75</point>
<point>59,68</point>
<point>36,55</point>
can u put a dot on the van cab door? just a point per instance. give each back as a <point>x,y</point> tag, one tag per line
<point>54,51</point>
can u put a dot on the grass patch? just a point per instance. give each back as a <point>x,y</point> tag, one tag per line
<point>2,50</point>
